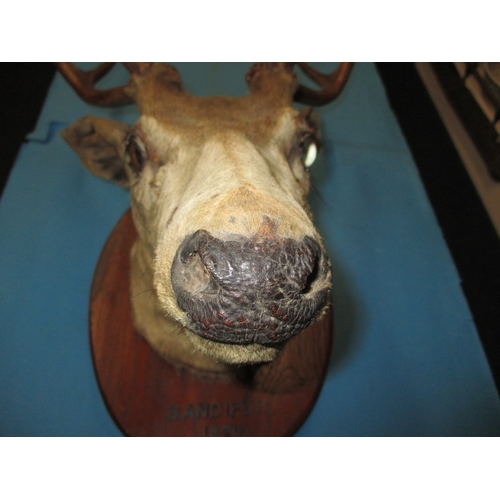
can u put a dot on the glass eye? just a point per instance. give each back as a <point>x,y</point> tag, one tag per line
<point>310,153</point>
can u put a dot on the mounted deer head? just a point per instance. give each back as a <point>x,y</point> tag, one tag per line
<point>219,191</point>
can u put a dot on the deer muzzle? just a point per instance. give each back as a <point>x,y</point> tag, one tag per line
<point>243,290</point>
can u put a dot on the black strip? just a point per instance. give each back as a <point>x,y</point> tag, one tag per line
<point>23,88</point>
<point>469,233</point>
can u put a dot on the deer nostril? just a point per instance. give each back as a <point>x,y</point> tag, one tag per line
<point>312,277</point>
<point>306,266</point>
<point>189,271</point>
<point>193,276</point>
<point>190,247</point>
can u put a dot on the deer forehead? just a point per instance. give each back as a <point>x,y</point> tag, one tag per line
<point>193,129</point>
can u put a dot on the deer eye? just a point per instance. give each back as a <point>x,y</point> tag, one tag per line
<point>137,153</point>
<point>309,153</point>
<point>308,150</point>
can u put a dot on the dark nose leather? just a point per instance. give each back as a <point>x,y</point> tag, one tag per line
<point>242,290</point>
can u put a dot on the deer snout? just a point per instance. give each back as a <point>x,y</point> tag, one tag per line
<point>242,290</point>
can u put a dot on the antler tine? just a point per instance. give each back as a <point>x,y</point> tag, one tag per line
<point>332,84</point>
<point>83,83</point>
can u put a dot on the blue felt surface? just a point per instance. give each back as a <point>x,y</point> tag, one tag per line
<point>406,358</point>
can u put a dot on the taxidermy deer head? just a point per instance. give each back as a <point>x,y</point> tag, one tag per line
<point>228,264</point>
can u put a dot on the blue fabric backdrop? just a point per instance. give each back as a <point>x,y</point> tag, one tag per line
<point>406,359</point>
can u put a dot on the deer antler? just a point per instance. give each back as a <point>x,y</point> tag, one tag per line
<point>83,82</point>
<point>332,84</point>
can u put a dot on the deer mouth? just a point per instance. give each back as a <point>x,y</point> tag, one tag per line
<point>250,290</point>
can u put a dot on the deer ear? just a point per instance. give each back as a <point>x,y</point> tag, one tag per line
<point>100,144</point>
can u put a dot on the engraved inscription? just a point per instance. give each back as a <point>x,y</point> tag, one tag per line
<point>212,411</point>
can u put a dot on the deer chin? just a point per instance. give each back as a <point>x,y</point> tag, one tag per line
<point>233,354</point>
